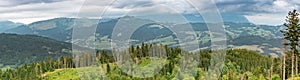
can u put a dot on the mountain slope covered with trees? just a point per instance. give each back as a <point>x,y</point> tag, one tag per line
<point>20,49</point>
<point>239,64</point>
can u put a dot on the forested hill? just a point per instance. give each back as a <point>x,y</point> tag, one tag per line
<point>237,34</point>
<point>240,64</point>
<point>19,49</point>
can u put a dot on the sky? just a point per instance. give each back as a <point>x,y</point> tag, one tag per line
<point>268,12</point>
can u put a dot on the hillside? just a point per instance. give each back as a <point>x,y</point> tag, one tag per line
<point>6,25</point>
<point>237,63</point>
<point>61,29</point>
<point>19,49</point>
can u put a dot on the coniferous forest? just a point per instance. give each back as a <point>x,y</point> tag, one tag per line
<point>239,64</point>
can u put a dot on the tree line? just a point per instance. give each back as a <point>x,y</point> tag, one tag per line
<point>240,64</point>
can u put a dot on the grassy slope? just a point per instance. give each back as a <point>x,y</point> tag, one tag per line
<point>95,73</point>
<point>63,74</point>
<point>72,74</point>
<point>296,78</point>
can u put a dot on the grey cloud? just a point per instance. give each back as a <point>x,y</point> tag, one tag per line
<point>239,7</point>
<point>249,7</point>
<point>10,3</point>
<point>133,3</point>
<point>9,9</point>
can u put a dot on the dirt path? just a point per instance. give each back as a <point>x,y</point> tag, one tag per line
<point>56,70</point>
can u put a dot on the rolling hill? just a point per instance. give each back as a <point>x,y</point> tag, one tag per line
<point>61,29</point>
<point>16,50</point>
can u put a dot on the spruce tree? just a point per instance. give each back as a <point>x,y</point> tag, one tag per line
<point>292,34</point>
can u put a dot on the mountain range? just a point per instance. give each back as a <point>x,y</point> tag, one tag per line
<point>261,38</point>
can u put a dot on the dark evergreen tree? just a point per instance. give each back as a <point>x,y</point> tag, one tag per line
<point>292,34</point>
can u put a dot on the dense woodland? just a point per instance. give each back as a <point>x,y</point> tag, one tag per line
<point>16,50</point>
<point>239,64</point>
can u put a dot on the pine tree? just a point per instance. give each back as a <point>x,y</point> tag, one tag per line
<point>292,34</point>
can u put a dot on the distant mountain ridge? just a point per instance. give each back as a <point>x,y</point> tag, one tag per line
<point>6,25</point>
<point>58,28</point>
<point>61,29</point>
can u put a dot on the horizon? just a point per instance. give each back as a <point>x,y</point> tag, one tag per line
<point>133,16</point>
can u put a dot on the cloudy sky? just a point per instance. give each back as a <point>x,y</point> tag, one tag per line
<point>271,12</point>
